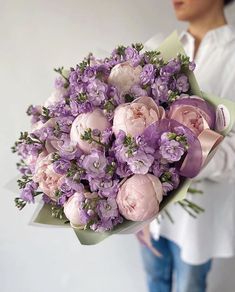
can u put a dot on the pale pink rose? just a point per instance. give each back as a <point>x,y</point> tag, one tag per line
<point>123,76</point>
<point>49,181</point>
<point>139,197</point>
<point>72,210</point>
<point>93,120</point>
<point>133,118</point>
<point>191,117</point>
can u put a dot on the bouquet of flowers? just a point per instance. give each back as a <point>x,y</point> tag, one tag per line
<point>118,140</point>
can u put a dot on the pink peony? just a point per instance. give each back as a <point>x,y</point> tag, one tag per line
<point>123,76</point>
<point>191,117</point>
<point>93,120</point>
<point>73,211</point>
<point>49,181</point>
<point>139,197</point>
<point>133,118</point>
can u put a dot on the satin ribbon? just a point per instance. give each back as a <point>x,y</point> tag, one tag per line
<point>209,141</point>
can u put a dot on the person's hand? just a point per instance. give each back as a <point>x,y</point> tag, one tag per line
<point>144,237</point>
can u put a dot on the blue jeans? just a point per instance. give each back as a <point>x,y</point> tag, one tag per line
<point>160,270</point>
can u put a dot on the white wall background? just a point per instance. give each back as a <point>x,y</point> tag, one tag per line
<point>35,37</point>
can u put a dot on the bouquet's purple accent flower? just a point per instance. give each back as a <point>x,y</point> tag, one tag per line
<point>96,132</point>
<point>26,150</point>
<point>88,74</point>
<point>192,66</point>
<point>133,56</point>
<point>159,168</point>
<point>152,137</point>
<point>27,194</point>
<point>171,68</point>
<point>65,123</point>
<point>44,133</point>
<point>25,170</point>
<point>107,209</point>
<point>46,199</point>
<point>61,166</point>
<point>147,75</point>
<point>173,182</point>
<point>160,89</point>
<point>140,162</point>
<point>106,136</point>
<point>59,83</point>
<point>35,112</point>
<point>172,85</point>
<point>138,91</point>
<point>123,170</point>
<point>182,83</point>
<point>108,188</point>
<point>115,96</point>
<point>165,137</point>
<point>97,91</point>
<point>79,108</point>
<point>103,71</point>
<point>74,185</point>
<point>59,109</point>
<point>102,226</point>
<point>172,150</point>
<point>95,164</point>
<point>74,77</point>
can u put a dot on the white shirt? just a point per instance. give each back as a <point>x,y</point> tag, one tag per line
<point>212,234</point>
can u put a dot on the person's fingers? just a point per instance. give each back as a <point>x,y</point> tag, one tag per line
<point>145,238</point>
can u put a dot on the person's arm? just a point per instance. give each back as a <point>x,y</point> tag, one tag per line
<point>222,166</point>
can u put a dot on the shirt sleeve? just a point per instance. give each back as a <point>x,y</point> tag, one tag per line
<point>222,165</point>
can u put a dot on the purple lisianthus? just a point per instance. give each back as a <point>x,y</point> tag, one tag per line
<point>95,164</point>
<point>147,75</point>
<point>182,83</point>
<point>107,209</point>
<point>172,150</point>
<point>61,166</point>
<point>140,162</point>
<point>97,92</point>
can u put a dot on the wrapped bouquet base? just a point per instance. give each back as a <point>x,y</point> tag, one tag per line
<point>120,140</point>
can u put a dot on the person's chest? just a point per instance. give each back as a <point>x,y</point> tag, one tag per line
<point>215,71</point>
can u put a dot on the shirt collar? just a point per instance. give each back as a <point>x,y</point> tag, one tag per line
<point>221,35</point>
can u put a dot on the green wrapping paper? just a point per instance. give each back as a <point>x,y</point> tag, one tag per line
<point>169,49</point>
